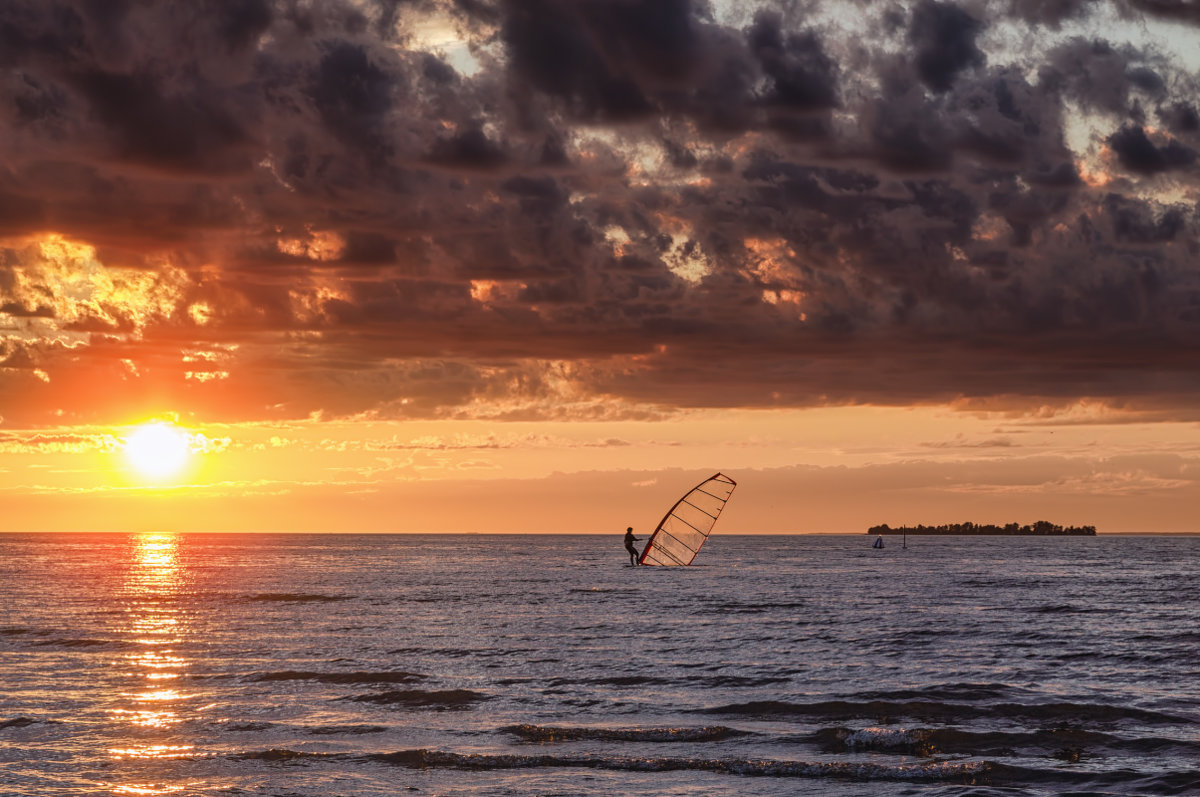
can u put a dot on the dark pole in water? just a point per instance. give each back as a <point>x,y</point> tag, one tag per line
<point>904,539</point>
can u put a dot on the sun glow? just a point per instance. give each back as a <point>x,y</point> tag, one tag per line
<point>157,450</point>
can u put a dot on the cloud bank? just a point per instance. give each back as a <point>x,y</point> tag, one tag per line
<point>591,209</point>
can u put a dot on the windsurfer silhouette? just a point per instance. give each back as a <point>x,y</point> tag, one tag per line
<point>629,545</point>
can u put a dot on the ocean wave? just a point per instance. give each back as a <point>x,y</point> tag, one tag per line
<point>295,597</point>
<point>420,698</point>
<point>882,710</point>
<point>740,607</point>
<point>393,677</point>
<point>725,681</point>
<point>742,681</point>
<point>249,726</point>
<point>1123,781</point>
<point>547,733</point>
<point>613,680</point>
<point>458,653</point>
<point>108,644</point>
<point>1069,608</point>
<point>1082,712</point>
<point>917,636</point>
<point>338,730</point>
<point>933,741</point>
<point>280,754</point>
<point>964,690</point>
<point>1143,658</point>
<point>17,722</point>
<point>968,772</point>
<point>1175,637</point>
<point>15,631</point>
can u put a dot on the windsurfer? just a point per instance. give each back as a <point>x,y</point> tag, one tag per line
<point>629,545</point>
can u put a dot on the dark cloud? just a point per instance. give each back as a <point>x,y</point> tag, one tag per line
<point>469,149</point>
<point>189,131</point>
<point>603,59</point>
<point>1146,79</point>
<point>1181,10</point>
<point>1099,75</point>
<point>1061,175</point>
<point>802,76</point>
<point>910,134</point>
<point>1135,222</point>
<point>588,209</point>
<point>1182,118</point>
<point>1138,153</point>
<point>349,91</point>
<point>1050,12</point>
<point>944,37</point>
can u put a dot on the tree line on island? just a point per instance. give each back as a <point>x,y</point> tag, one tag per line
<point>1042,528</point>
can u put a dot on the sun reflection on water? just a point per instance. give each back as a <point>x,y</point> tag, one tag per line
<point>157,551</point>
<point>159,751</point>
<point>151,789</point>
<point>146,719</point>
<point>157,696</point>
<point>156,660</point>
<point>155,621</point>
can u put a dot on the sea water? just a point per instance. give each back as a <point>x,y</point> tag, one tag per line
<point>303,665</point>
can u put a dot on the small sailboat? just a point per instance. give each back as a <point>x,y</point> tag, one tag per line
<point>878,542</point>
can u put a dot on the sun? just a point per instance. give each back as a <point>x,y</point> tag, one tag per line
<point>157,450</point>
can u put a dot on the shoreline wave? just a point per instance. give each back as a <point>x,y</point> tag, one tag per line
<point>444,699</point>
<point>881,710</point>
<point>965,772</point>
<point>357,677</point>
<point>1063,742</point>
<point>551,733</point>
<point>294,597</point>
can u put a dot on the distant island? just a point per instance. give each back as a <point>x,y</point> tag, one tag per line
<point>1043,528</point>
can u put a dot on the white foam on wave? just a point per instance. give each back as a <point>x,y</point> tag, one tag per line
<point>875,738</point>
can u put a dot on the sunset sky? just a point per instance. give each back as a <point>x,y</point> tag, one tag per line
<point>543,265</point>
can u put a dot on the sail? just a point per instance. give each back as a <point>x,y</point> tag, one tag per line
<point>685,528</point>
